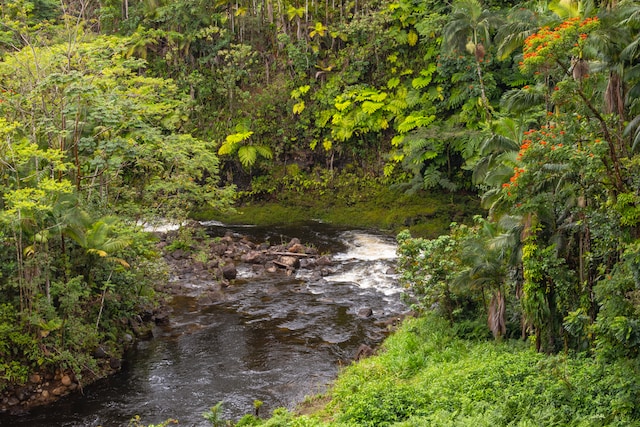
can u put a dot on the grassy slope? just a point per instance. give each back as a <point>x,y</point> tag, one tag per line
<point>427,377</point>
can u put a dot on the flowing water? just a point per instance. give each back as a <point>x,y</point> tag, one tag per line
<point>274,338</point>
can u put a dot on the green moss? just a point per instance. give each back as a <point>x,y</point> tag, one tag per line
<point>372,206</point>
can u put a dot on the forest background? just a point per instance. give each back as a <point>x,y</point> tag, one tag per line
<point>117,112</point>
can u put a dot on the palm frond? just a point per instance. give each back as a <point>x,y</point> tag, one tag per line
<point>510,36</point>
<point>633,130</point>
<point>518,101</point>
<point>498,144</point>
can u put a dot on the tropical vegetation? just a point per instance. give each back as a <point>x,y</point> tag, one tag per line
<point>117,113</point>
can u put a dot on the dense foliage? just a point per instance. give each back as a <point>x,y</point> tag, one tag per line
<point>89,144</point>
<point>556,261</point>
<point>153,108</point>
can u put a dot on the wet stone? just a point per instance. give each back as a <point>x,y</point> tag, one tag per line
<point>365,312</point>
<point>290,262</point>
<point>100,353</point>
<point>115,363</point>
<point>229,272</point>
<point>59,391</point>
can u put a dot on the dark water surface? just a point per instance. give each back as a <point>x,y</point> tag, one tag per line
<point>274,338</point>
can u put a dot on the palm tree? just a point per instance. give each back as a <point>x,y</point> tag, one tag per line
<point>487,259</point>
<point>618,48</point>
<point>470,28</point>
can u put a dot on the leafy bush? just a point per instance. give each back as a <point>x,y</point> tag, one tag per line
<point>427,376</point>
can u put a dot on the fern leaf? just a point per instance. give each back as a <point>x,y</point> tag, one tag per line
<point>247,155</point>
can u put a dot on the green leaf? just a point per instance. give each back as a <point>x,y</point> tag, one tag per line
<point>371,107</point>
<point>415,121</point>
<point>420,82</point>
<point>247,155</point>
<point>298,92</point>
<point>298,108</point>
<point>341,106</point>
<point>412,38</point>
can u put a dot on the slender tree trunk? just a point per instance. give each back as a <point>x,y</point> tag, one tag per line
<point>483,93</point>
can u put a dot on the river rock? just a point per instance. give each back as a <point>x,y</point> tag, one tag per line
<point>365,312</point>
<point>100,353</point>
<point>218,248</point>
<point>161,317</point>
<point>297,248</point>
<point>289,262</point>
<point>308,263</point>
<point>35,379</point>
<point>12,401</point>
<point>253,257</point>
<point>59,391</point>
<point>45,394</point>
<point>229,271</point>
<point>22,393</point>
<point>293,242</point>
<point>270,267</point>
<point>363,351</point>
<point>179,254</point>
<point>66,380</point>
<point>324,261</point>
<point>115,363</point>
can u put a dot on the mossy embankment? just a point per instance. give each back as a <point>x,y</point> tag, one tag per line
<point>353,202</point>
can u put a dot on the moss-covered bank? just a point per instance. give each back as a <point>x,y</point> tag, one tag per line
<point>351,201</point>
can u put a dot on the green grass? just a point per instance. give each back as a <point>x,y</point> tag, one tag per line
<point>426,376</point>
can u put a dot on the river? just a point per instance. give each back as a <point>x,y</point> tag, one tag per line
<point>277,338</point>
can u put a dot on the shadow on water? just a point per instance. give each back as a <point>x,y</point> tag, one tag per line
<point>276,338</point>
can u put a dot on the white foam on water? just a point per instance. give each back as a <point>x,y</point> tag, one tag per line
<point>365,246</point>
<point>160,226</point>
<point>368,262</point>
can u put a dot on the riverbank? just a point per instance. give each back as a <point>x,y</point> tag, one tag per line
<point>367,203</point>
<point>428,375</point>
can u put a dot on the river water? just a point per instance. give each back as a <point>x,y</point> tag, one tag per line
<point>275,338</point>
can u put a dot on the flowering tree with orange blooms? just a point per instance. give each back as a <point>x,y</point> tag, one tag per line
<point>557,47</point>
<point>558,57</point>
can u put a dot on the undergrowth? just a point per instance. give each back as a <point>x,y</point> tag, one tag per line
<point>426,376</point>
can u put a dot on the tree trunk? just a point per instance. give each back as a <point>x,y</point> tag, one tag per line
<point>496,321</point>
